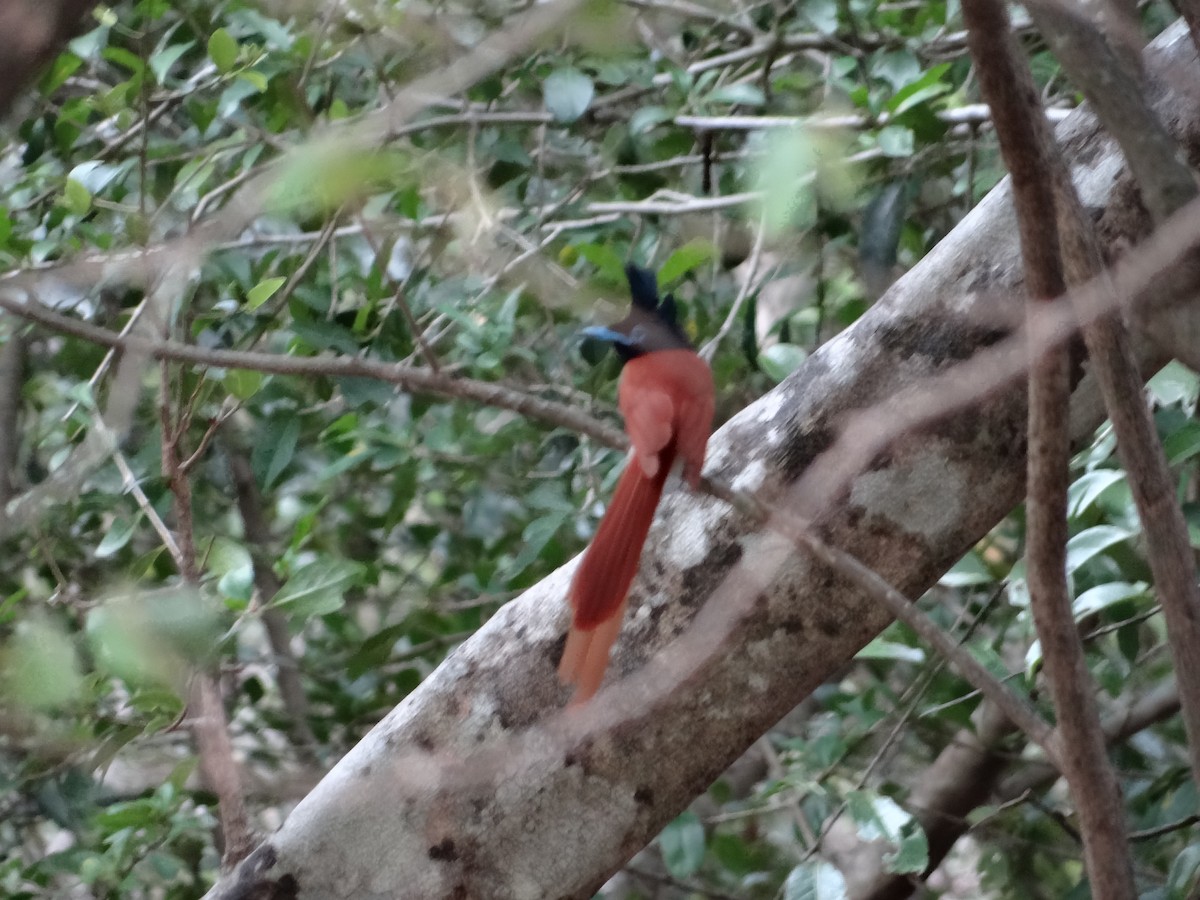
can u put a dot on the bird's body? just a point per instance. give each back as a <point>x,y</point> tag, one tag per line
<point>666,396</point>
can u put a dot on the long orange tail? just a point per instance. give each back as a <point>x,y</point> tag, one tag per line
<point>603,577</point>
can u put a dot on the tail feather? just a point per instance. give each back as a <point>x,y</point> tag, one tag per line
<point>603,578</point>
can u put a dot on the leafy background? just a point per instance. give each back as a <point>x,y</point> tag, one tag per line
<point>384,527</point>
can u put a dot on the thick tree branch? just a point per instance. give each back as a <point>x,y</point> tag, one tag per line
<point>30,35</point>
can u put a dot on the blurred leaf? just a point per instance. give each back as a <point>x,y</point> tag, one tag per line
<point>273,454</point>
<point>604,258</point>
<point>535,537</point>
<point>879,648</point>
<point>967,572</point>
<point>263,291</point>
<point>779,360</point>
<point>242,383</point>
<point>682,845</point>
<point>153,636</point>
<point>741,93</point>
<point>1175,383</point>
<point>223,51</point>
<point>567,94</point>
<point>1184,875</point>
<point>928,86</point>
<point>76,197</point>
<point>39,666</point>
<point>318,588</point>
<point>161,61</point>
<point>117,536</point>
<point>691,255</point>
<point>897,141</point>
<point>1183,444</point>
<point>815,881</point>
<point>647,117</point>
<point>800,170</point>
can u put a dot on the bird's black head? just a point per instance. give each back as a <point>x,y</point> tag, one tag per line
<point>652,324</point>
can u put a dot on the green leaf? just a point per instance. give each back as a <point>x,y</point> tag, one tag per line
<point>223,50</point>
<point>883,649</point>
<point>647,117</point>
<point>1175,383</point>
<point>604,258</point>
<point>779,360</point>
<point>39,666</point>
<point>242,383</point>
<point>896,141</point>
<point>1087,488</point>
<point>162,60</point>
<point>119,532</point>
<point>691,255</point>
<point>272,455</point>
<point>1107,594</point>
<point>926,87</point>
<point>815,881</point>
<point>318,588</point>
<point>682,845</point>
<point>76,197</point>
<point>1092,542</point>
<point>967,572</point>
<point>535,537</point>
<point>1184,874</point>
<point>1183,444</point>
<point>912,852</point>
<point>263,291</point>
<point>567,94</point>
<point>255,79</point>
<point>125,59</point>
<point>64,66</point>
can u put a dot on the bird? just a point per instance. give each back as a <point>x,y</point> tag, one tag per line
<point>666,397</point>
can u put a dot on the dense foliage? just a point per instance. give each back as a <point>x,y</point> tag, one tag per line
<point>386,526</point>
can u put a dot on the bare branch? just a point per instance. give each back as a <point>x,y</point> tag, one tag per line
<point>1026,144</point>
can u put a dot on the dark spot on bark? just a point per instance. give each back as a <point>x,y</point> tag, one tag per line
<point>794,626</point>
<point>425,742</point>
<point>251,885</point>
<point>801,445</point>
<point>460,892</point>
<point>644,796</point>
<point>263,858</point>
<point>830,625</point>
<point>444,851</point>
<point>698,580</point>
<point>938,338</point>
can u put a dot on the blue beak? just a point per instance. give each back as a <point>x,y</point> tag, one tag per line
<point>600,333</point>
